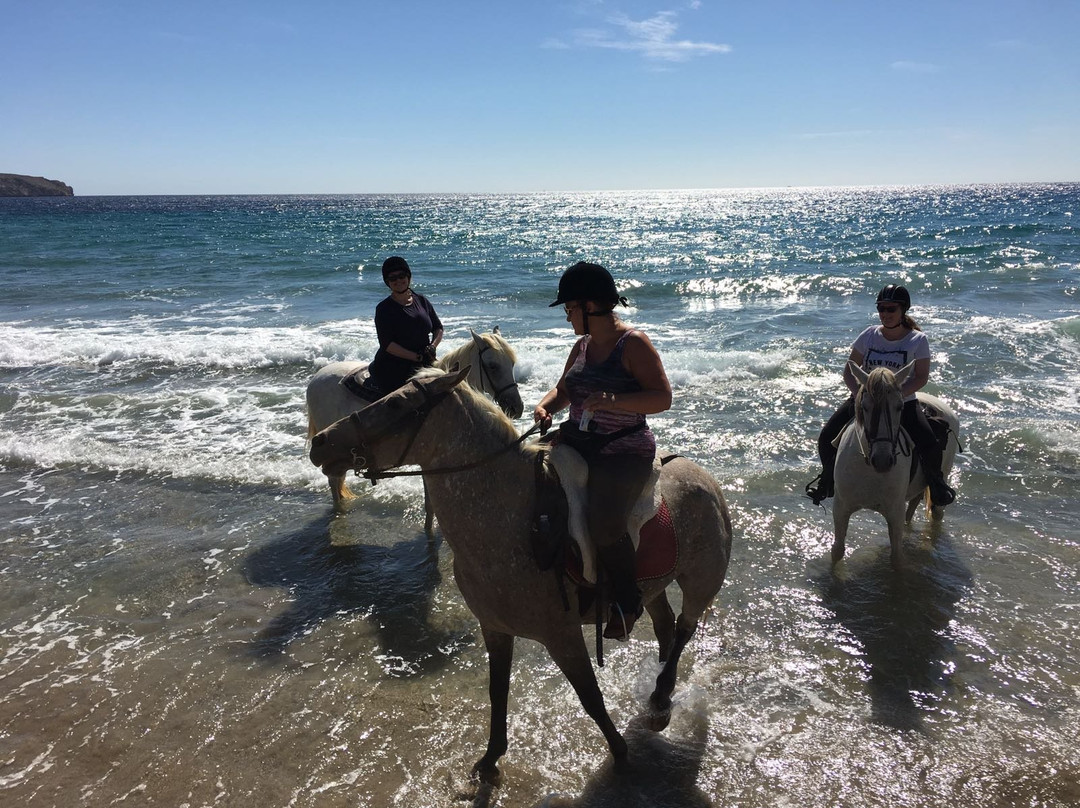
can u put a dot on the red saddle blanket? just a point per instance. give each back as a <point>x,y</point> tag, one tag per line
<point>657,552</point>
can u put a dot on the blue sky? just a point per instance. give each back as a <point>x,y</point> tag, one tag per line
<point>147,97</point>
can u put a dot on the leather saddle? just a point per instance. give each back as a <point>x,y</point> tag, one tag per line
<point>361,385</point>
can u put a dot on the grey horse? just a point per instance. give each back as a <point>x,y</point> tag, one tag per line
<point>481,480</point>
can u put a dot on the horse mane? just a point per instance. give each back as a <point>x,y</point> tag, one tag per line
<point>497,342</point>
<point>878,384</point>
<point>461,353</point>
<point>475,400</point>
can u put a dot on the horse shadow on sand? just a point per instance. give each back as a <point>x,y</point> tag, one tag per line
<point>901,618</point>
<point>392,586</point>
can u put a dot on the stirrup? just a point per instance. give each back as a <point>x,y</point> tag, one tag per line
<point>621,629</point>
<point>817,494</point>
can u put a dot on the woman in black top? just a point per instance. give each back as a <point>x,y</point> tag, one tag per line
<point>408,328</point>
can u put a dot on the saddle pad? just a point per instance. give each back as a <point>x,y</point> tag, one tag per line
<point>359,384</point>
<point>657,554</point>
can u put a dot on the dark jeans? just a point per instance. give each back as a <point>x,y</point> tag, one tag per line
<point>615,483</point>
<point>912,418</point>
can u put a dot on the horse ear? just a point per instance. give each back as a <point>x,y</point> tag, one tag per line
<point>905,371</point>
<point>445,382</point>
<point>860,375</point>
<point>496,330</point>
<point>460,375</point>
<point>478,339</point>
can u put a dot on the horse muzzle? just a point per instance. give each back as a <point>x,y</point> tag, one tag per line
<point>334,461</point>
<point>510,402</point>
<point>882,459</point>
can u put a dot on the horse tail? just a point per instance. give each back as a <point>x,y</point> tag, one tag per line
<point>311,430</point>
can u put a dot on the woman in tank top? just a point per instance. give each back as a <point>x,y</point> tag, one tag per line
<point>613,378</point>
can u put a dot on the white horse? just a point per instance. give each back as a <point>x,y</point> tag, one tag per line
<point>874,457</point>
<point>492,363</point>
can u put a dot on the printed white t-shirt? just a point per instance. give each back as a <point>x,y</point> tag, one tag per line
<point>892,354</point>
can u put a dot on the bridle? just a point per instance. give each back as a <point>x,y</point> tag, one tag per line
<point>870,432</point>
<point>485,376</point>
<point>416,417</point>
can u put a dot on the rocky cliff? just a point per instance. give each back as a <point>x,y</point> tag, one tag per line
<point>22,185</point>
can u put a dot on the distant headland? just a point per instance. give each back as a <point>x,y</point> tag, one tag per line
<point>22,185</point>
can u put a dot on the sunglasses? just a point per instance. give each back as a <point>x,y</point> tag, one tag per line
<point>887,309</point>
<point>394,277</point>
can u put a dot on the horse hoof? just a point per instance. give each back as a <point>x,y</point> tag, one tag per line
<point>658,716</point>
<point>487,773</point>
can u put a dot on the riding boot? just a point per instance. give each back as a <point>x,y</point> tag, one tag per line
<point>941,494</point>
<point>620,565</point>
<point>824,488</point>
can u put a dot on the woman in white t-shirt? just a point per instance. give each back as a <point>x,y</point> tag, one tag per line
<point>895,342</point>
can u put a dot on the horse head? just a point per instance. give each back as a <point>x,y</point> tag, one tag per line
<point>383,434</point>
<point>493,371</point>
<point>878,406</point>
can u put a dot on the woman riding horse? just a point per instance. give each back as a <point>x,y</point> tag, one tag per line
<point>408,328</point>
<point>895,342</point>
<point>613,377</point>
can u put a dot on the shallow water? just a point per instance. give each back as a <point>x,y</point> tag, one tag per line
<point>215,646</point>
<point>185,622</point>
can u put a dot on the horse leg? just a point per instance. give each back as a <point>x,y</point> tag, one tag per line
<point>665,682</point>
<point>841,518</point>
<point>663,620</point>
<point>895,520</point>
<point>572,657</point>
<point>339,491</point>
<point>500,652</point>
<point>911,506</point>
<point>429,512</point>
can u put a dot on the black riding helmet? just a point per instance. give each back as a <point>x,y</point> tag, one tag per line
<point>585,281</point>
<point>395,263</point>
<point>895,294</point>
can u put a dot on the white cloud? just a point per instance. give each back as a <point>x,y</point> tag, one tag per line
<point>653,38</point>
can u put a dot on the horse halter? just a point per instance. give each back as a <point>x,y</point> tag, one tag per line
<point>866,442</point>
<point>416,416</point>
<point>485,377</point>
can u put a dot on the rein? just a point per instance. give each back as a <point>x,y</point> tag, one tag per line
<point>417,417</point>
<point>376,475</point>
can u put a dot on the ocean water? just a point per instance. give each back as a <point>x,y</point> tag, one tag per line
<point>184,621</point>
